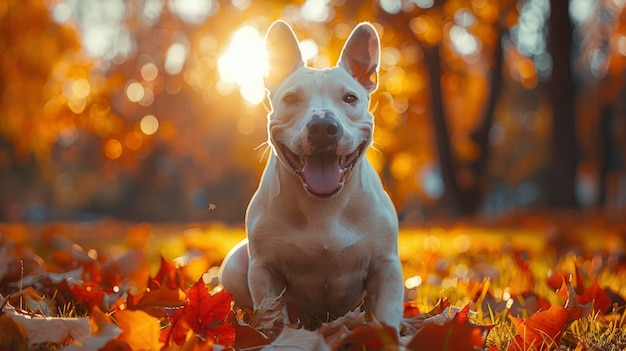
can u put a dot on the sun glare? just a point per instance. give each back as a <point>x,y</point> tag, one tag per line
<point>244,64</point>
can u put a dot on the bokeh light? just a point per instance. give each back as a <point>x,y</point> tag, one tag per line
<point>135,91</point>
<point>149,124</point>
<point>244,63</point>
<point>113,149</point>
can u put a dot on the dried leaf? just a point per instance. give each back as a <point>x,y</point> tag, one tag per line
<point>335,331</point>
<point>298,339</point>
<point>104,331</point>
<point>269,316</point>
<point>12,334</point>
<point>50,329</point>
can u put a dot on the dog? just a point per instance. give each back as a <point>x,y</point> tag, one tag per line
<point>321,231</point>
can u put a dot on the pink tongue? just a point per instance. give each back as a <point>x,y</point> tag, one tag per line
<point>322,173</point>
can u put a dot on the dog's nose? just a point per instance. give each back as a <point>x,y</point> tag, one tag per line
<point>324,132</point>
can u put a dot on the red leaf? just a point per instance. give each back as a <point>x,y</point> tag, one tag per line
<point>247,338</point>
<point>202,309</point>
<point>166,276</point>
<point>556,280</point>
<point>543,328</point>
<point>176,331</point>
<point>462,316</point>
<point>204,314</point>
<point>410,310</point>
<point>451,335</point>
<point>601,299</point>
<point>89,294</point>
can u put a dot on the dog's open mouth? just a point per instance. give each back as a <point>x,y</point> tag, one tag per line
<point>323,173</point>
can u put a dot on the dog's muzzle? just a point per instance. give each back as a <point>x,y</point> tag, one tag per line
<point>323,171</point>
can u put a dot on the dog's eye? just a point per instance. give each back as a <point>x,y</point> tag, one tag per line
<point>350,98</point>
<point>290,98</point>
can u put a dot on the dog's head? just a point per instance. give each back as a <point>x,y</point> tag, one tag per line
<point>320,124</point>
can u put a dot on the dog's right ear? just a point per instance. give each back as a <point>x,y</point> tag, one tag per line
<point>283,53</point>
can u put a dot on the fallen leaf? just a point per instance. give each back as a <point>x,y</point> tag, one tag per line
<point>449,330</point>
<point>543,328</point>
<point>410,310</point>
<point>371,337</point>
<point>247,338</point>
<point>167,276</point>
<point>574,309</point>
<point>50,329</point>
<point>335,331</point>
<point>103,329</point>
<point>12,334</point>
<point>269,315</point>
<point>140,330</point>
<point>206,314</point>
<point>291,339</point>
<point>600,298</point>
<point>161,297</point>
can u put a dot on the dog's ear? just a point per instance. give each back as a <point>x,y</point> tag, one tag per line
<point>283,53</point>
<point>361,55</point>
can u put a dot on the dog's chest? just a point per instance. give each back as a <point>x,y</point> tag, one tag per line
<point>332,265</point>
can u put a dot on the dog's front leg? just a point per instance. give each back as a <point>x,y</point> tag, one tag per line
<point>385,290</point>
<point>265,285</point>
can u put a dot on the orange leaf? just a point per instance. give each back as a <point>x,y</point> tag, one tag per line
<point>370,337</point>
<point>575,309</point>
<point>161,297</point>
<point>139,330</point>
<point>556,280</point>
<point>542,328</point>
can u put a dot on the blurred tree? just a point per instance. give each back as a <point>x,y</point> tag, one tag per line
<point>35,52</point>
<point>563,165</point>
<point>155,114</point>
<point>437,28</point>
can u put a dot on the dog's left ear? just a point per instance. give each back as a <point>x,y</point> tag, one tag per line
<point>283,53</point>
<point>361,55</point>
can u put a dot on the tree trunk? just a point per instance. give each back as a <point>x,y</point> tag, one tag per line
<point>452,193</point>
<point>561,181</point>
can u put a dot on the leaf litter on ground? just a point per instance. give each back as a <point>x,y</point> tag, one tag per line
<point>510,286</point>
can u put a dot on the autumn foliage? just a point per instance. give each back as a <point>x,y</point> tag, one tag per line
<point>134,298</point>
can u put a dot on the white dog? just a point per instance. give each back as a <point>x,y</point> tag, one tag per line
<point>320,226</point>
